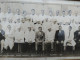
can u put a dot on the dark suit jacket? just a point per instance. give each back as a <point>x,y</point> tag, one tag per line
<point>59,37</point>
<point>40,37</point>
<point>76,36</point>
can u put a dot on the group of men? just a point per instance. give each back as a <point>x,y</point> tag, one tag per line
<point>59,30</point>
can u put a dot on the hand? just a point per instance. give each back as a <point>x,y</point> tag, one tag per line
<point>61,41</point>
<point>57,42</point>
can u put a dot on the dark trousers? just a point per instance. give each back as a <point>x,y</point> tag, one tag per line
<point>58,47</point>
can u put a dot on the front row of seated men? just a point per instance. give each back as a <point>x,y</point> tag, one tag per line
<point>59,41</point>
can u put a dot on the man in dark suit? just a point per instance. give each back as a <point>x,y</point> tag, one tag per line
<point>59,39</point>
<point>2,37</point>
<point>77,37</point>
<point>40,38</point>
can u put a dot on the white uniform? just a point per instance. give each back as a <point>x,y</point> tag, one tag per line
<point>46,26</point>
<point>54,28</point>
<point>34,18</point>
<point>19,37</point>
<point>49,36</point>
<point>50,18</point>
<point>1,17</point>
<point>9,38</point>
<point>42,18</point>
<point>4,21</point>
<point>69,38</point>
<point>30,36</point>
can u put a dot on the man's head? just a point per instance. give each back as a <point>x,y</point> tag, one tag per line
<point>9,10</point>
<point>23,20</point>
<point>9,27</point>
<point>63,12</point>
<point>55,21</point>
<point>33,11</point>
<point>24,13</point>
<point>57,12</point>
<point>60,27</point>
<point>40,28</point>
<point>49,29</point>
<point>69,12</point>
<point>50,13</point>
<point>29,28</point>
<point>46,19</point>
<point>18,11</point>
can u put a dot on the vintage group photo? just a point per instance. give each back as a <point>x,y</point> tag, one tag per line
<point>39,30</point>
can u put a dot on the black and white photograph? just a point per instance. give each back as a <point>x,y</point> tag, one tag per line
<point>41,28</point>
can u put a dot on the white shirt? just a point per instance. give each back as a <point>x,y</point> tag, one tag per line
<point>34,18</point>
<point>19,36</point>
<point>49,36</point>
<point>30,36</point>
<point>46,26</point>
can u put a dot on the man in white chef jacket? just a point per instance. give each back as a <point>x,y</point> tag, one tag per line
<point>50,17</point>
<point>42,16</point>
<point>9,38</point>
<point>49,37</point>
<point>33,16</point>
<point>27,23</point>
<point>46,25</point>
<point>19,38</point>
<point>69,38</point>
<point>30,38</point>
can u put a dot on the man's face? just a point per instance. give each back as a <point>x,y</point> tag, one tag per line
<point>9,10</point>
<point>60,28</point>
<point>63,13</point>
<point>57,13</point>
<point>49,29</point>
<point>33,11</point>
<point>55,22</point>
<point>69,12</point>
<point>18,11</point>
<point>40,29</point>
<point>50,13</point>
<point>24,13</point>
<point>29,28</point>
<point>9,27</point>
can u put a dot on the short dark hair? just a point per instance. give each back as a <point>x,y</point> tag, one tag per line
<point>32,9</point>
<point>39,27</point>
